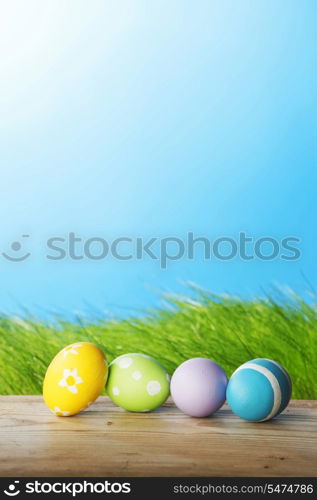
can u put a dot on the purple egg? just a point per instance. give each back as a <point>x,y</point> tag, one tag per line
<point>198,387</point>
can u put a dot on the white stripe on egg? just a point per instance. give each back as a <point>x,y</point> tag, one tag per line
<point>274,384</point>
<point>281,368</point>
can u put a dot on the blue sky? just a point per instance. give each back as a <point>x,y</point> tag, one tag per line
<point>155,119</point>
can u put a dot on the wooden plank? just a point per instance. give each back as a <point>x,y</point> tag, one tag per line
<point>107,441</point>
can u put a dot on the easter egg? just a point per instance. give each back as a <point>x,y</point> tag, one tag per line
<point>137,382</point>
<point>198,387</point>
<point>75,378</point>
<point>258,390</point>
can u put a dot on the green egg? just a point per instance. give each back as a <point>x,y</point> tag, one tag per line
<point>137,382</point>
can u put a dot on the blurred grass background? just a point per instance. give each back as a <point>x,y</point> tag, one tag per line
<point>229,330</point>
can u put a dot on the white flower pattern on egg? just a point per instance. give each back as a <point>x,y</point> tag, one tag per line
<point>70,350</point>
<point>153,388</point>
<point>60,412</point>
<point>125,362</point>
<point>70,380</point>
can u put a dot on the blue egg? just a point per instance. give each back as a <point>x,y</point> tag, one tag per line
<point>259,390</point>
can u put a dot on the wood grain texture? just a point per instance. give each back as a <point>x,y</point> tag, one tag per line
<point>107,441</point>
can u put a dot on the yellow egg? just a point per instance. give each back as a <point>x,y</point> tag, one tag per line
<point>75,378</point>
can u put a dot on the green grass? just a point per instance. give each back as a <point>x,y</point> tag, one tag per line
<point>228,330</point>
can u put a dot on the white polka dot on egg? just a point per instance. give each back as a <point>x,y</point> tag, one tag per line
<point>137,375</point>
<point>153,387</point>
<point>116,391</point>
<point>125,362</point>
